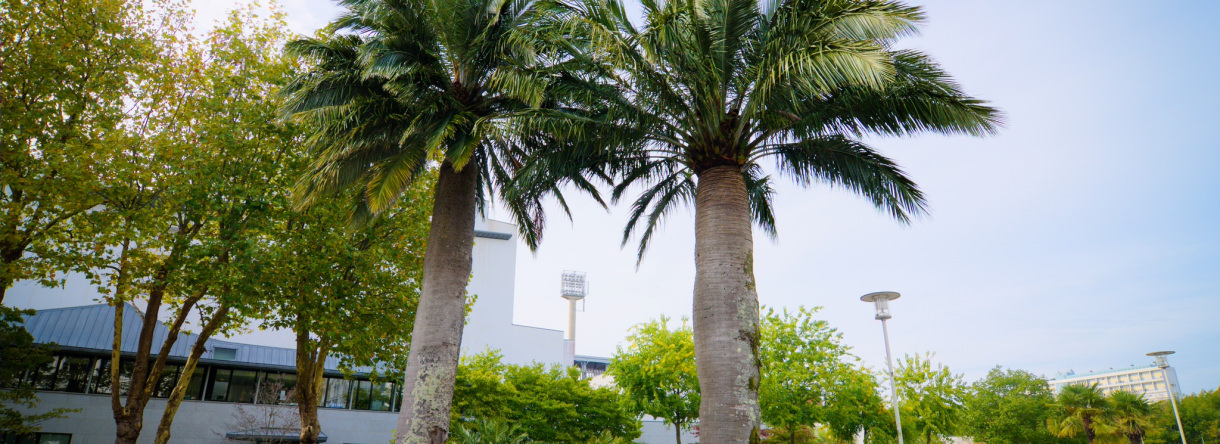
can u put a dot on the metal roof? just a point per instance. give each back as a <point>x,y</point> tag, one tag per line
<point>91,328</point>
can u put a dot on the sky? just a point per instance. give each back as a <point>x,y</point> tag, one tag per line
<point>1081,237</point>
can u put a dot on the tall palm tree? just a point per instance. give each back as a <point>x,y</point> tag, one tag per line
<point>1079,409</point>
<point>398,86</point>
<point>702,91</point>
<point>1130,415</point>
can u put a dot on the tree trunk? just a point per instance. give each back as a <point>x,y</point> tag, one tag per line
<point>311,363</point>
<point>184,378</point>
<point>725,310</point>
<point>437,336</point>
<point>1089,434</point>
<point>678,432</point>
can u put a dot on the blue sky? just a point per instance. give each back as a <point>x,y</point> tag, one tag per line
<point>1084,235</point>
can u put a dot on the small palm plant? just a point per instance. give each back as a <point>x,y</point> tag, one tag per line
<point>1130,415</point>
<point>1080,409</point>
<point>482,431</point>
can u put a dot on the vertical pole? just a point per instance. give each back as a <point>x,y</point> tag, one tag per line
<point>889,362</point>
<point>1173,401</point>
<point>571,319</point>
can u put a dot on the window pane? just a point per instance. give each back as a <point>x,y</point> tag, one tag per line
<point>288,386</point>
<point>337,391</point>
<point>383,393</point>
<point>169,378</point>
<point>126,368</point>
<point>54,438</point>
<point>362,395</point>
<point>219,390</point>
<point>101,376</point>
<point>43,377</point>
<point>194,391</point>
<point>73,374</point>
<point>397,397</point>
<point>242,386</point>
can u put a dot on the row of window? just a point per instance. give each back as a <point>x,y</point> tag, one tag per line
<point>85,374</point>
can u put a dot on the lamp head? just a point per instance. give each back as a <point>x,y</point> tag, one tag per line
<point>573,286</point>
<point>881,300</point>
<point>1162,360</point>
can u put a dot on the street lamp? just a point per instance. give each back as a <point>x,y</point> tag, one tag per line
<point>1163,363</point>
<point>882,300</point>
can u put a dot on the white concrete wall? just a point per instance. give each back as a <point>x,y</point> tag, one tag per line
<point>200,422</point>
<point>490,323</point>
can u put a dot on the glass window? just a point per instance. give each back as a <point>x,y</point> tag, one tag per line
<point>54,438</point>
<point>361,397</point>
<point>73,374</point>
<point>276,388</point>
<point>242,386</point>
<point>43,377</point>
<point>397,397</point>
<point>194,390</point>
<point>165,384</point>
<point>337,393</point>
<point>382,395</point>
<point>101,376</point>
<point>219,390</point>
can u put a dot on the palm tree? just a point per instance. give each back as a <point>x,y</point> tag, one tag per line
<point>1130,415</point>
<point>703,91</point>
<point>1079,407</point>
<point>396,87</point>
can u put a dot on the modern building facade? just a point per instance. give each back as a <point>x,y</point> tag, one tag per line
<point>1148,381</point>
<point>235,381</point>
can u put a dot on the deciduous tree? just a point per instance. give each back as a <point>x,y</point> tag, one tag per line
<point>1009,406</point>
<point>656,373</point>
<point>931,398</point>
<point>804,362</point>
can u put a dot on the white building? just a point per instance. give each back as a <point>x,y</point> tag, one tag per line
<point>1148,381</point>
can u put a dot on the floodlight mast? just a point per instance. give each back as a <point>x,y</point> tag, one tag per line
<point>882,300</point>
<point>574,287</point>
<point>1162,362</point>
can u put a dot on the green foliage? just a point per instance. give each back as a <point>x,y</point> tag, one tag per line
<point>932,399</point>
<point>1080,409</point>
<point>352,290</point>
<point>1200,414</point>
<point>481,431</point>
<point>18,356</point>
<point>69,69</point>
<point>1008,407</point>
<point>548,405</point>
<point>656,373</point>
<point>804,365</point>
<point>701,84</point>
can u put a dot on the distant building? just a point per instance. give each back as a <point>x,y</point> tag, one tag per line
<point>1147,381</point>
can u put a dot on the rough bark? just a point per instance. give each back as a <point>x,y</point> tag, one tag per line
<point>1089,434</point>
<point>725,310</point>
<point>184,380</point>
<point>311,362</point>
<point>437,334</point>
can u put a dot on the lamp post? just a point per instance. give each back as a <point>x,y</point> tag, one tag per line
<point>882,300</point>
<point>1163,363</point>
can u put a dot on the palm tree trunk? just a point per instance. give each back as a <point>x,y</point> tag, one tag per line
<point>725,310</point>
<point>437,336</point>
<point>1087,422</point>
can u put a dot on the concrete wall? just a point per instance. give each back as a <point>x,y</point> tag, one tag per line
<point>200,422</point>
<point>490,323</point>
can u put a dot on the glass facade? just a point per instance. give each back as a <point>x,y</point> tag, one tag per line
<point>91,374</point>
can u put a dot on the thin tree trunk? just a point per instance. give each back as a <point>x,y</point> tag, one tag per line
<point>725,310</point>
<point>678,432</point>
<point>184,378</point>
<point>437,336</point>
